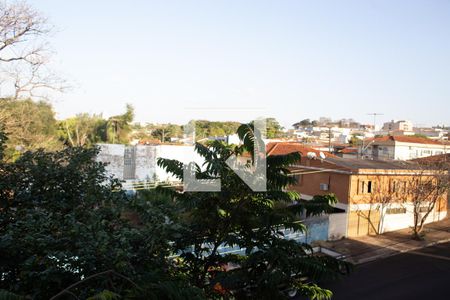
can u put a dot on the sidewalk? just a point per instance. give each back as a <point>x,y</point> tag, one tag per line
<point>368,248</point>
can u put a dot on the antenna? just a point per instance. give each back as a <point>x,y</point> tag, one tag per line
<point>375,117</point>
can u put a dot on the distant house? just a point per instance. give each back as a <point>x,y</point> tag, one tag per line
<point>402,125</point>
<point>357,184</point>
<point>401,148</point>
<point>349,152</point>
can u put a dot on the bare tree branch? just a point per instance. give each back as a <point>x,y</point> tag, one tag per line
<point>25,54</point>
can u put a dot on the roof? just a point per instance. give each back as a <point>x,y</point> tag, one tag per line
<point>355,164</point>
<point>441,158</point>
<point>286,148</point>
<point>349,150</point>
<point>405,139</point>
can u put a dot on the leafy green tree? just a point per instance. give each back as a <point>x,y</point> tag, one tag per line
<point>303,123</point>
<point>29,125</point>
<point>164,132</point>
<point>238,216</point>
<point>65,223</point>
<point>82,130</point>
<point>274,129</point>
<point>204,128</point>
<point>354,140</point>
<point>119,127</point>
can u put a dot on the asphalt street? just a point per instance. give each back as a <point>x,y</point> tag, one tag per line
<point>421,274</point>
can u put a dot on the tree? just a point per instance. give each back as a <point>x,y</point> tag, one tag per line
<point>205,129</point>
<point>29,125</point>
<point>354,140</point>
<point>385,192</point>
<point>67,229</point>
<point>274,129</point>
<point>253,221</point>
<point>303,123</point>
<point>164,132</point>
<point>82,130</point>
<point>119,127</point>
<point>24,53</point>
<point>427,190</point>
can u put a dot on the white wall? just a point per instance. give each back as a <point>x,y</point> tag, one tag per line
<point>185,154</point>
<point>404,151</point>
<point>112,154</point>
<point>391,222</point>
<point>337,227</point>
<point>146,160</point>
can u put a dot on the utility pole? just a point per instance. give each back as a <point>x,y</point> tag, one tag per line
<point>375,118</point>
<point>329,139</point>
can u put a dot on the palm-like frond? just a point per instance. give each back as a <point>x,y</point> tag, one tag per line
<point>172,166</point>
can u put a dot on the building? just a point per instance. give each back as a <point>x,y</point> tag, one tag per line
<point>401,148</point>
<point>372,193</point>
<point>348,152</point>
<point>432,133</point>
<point>401,125</point>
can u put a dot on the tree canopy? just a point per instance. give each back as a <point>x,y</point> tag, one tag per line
<point>66,228</point>
<point>253,221</point>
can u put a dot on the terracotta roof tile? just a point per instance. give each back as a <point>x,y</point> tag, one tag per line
<point>286,148</point>
<point>405,139</point>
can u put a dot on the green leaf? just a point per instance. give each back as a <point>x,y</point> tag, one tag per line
<point>6,295</point>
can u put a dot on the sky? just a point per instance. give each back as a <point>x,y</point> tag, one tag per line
<point>237,60</point>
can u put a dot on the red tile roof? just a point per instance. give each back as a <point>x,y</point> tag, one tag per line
<point>349,150</point>
<point>286,148</point>
<point>406,139</point>
<point>440,158</point>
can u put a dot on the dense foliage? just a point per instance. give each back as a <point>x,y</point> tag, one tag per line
<point>66,228</point>
<point>238,216</point>
<point>29,124</point>
<point>63,220</point>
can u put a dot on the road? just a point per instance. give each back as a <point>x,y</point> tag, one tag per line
<point>421,274</point>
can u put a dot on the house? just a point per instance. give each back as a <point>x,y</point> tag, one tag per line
<point>402,125</point>
<point>372,193</point>
<point>401,148</point>
<point>348,152</point>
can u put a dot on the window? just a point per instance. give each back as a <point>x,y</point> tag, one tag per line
<point>398,186</point>
<point>324,187</point>
<point>366,187</point>
<point>423,209</point>
<point>298,178</point>
<point>396,210</point>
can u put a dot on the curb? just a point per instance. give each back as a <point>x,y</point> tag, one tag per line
<point>395,252</point>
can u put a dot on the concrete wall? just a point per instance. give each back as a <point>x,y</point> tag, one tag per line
<point>146,168</point>
<point>391,222</point>
<point>385,222</point>
<point>185,154</point>
<point>112,154</point>
<point>317,230</point>
<point>405,151</point>
<point>337,225</point>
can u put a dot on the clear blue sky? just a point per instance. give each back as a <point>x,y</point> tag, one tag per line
<point>179,60</point>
